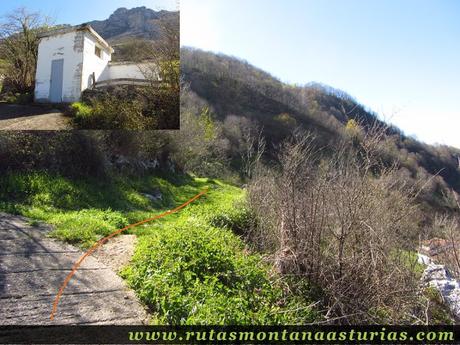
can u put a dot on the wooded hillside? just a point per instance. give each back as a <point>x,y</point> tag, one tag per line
<point>236,91</point>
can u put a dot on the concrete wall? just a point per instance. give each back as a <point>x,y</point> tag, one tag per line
<point>92,62</point>
<point>123,70</point>
<point>68,46</point>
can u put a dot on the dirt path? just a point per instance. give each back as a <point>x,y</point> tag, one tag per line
<point>117,252</point>
<point>30,117</point>
<point>32,268</point>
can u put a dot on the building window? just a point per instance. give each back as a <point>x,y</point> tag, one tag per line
<point>98,52</point>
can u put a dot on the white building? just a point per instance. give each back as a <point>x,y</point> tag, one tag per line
<point>72,59</point>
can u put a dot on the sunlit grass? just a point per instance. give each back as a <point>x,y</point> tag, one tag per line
<point>190,267</point>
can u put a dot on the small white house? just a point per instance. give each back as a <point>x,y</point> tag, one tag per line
<point>72,59</point>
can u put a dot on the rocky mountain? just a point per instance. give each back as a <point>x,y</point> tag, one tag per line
<point>139,22</point>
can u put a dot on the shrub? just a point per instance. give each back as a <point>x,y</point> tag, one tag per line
<point>235,216</point>
<point>435,308</point>
<point>133,107</point>
<point>191,273</point>
<point>110,112</point>
<point>341,227</point>
<point>225,207</point>
<point>286,120</point>
<point>71,153</point>
<point>81,112</point>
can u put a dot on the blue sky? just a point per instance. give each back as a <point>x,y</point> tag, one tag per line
<point>401,58</point>
<point>80,11</point>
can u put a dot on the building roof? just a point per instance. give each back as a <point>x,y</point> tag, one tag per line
<point>82,27</point>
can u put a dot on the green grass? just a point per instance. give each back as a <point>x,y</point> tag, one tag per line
<point>189,267</point>
<point>81,112</point>
<point>82,211</point>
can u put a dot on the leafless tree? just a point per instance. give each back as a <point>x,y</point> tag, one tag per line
<point>254,147</point>
<point>447,239</point>
<point>163,55</point>
<point>162,68</point>
<point>19,47</point>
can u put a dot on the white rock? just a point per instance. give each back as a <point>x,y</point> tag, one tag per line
<point>423,259</point>
<point>439,277</point>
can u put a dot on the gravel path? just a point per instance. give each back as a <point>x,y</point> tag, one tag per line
<point>30,117</point>
<point>33,267</point>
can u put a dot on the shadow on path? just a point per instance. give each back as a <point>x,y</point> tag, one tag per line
<point>33,267</point>
<point>32,117</point>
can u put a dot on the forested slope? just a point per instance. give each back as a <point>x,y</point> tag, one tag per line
<point>233,88</point>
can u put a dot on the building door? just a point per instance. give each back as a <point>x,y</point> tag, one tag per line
<point>57,76</point>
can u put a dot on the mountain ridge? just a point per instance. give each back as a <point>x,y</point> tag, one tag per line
<point>231,87</point>
<point>138,22</point>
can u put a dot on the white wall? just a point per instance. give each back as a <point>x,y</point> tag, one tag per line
<point>123,70</point>
<point>68,46</point>
<point>77,48</point>
<point>92,62</point>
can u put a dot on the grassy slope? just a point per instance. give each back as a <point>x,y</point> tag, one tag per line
<point>188,267</point>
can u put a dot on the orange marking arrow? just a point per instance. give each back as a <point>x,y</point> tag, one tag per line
<point>105,239</point>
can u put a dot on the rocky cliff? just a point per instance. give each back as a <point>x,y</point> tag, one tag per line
<point>139,22</point>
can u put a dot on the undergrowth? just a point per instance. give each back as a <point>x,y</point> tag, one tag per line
<point>81,112</point>
<point>82,211</point>
<point>189,267</point>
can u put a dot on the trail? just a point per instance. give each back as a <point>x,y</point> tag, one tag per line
<point>33,266</point>
<point>31,117</point>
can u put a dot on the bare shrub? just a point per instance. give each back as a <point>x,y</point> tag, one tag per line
<point>247,143</point>
<point>444,248</point>
<point>110,112</point>
<point>343,224</point>
<point>164,65</point>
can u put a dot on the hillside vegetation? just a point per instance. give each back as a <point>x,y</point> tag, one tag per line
<point>241,95</point>
<point>338,197</point>
<point>189,268</point>
<point>315,209</point>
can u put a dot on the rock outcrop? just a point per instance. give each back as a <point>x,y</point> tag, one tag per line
<point>139,22</point>
<point>438,276</point>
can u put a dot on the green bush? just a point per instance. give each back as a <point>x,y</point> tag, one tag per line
<point>437,310</point>
<point>108,110</point>
<point>81,113</point>
<point>238,218</point>
<point>227,209</point>
<point>113,113</point>
<point>286,120</point>
<point>191,273</point>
